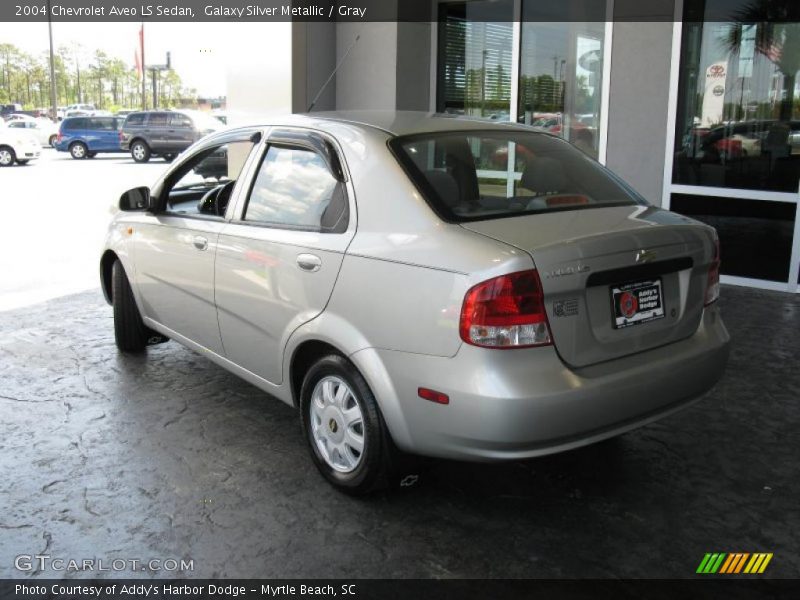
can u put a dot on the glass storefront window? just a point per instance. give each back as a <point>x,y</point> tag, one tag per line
<point>738,115</point>
<point>561,71</point>
<point>474,66</point>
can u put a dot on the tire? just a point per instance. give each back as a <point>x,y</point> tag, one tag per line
<point>333,441</point>
<point>91,154</point>
<point>140,151</point>
<point>23,162</point>
<point>169,157</point>
<point>52,141</point>
<point>7,156</point>
<point>78,150</point>
<point>130,332</point>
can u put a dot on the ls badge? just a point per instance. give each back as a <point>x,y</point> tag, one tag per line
<point>565,308</point>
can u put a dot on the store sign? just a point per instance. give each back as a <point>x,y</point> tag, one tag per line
<point>714,97</point>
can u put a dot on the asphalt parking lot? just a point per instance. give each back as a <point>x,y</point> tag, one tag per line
<point>167,456</point>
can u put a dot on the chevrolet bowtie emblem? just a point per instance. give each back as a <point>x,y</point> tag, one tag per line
<point>645,256</point>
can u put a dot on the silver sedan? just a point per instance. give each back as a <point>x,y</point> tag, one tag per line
<point>421,285</point>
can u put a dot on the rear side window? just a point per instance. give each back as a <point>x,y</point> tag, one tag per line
<point>470,176</point>
<point>295,189</point>
<point>179,120</point>
<point>134,119</point>
<point>157,119</point>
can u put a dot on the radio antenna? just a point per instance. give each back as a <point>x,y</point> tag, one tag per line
<point>327,81</point>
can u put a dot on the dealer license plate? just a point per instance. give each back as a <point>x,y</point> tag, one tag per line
<point>636,303</point>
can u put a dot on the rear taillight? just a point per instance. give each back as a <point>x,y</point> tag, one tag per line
<point>712,286</point>
<point>120,136</point>
<point>60,137</point>
<point>506,312</point>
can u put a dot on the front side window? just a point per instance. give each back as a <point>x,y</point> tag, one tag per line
<point>102,124</point>
<point>295,189</point>
<point>179,120</point>
<point>203,185</point>
<point>157,120</point>
<point>470,176</point>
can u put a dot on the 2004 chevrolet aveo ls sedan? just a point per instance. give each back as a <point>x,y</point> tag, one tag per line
<point>421,285</point>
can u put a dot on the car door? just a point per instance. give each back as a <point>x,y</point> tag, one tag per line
<point>279,257</point>
<point>155,131</point>
<point>106,131</point>
<point>180,133</point>
<point>175,251</point>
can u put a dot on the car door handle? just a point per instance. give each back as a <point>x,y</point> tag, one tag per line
<point>200,242</point>
<point>309,262</point>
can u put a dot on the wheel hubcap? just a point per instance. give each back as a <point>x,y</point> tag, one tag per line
<point>337,424</point>
<point>78,151</point>
<point>5,157</point>
<point>138,152</point>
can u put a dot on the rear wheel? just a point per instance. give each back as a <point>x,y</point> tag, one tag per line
<point>7,156</point>
<point>348,439</point>
<point>140,151</point>
<point>169,157</point>
<point>52,141</point>
<point>78,150</point>
<point>130,332</point>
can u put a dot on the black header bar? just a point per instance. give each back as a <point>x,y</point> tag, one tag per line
<point>389,10</point>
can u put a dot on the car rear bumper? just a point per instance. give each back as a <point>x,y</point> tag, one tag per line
<point>512,404</point>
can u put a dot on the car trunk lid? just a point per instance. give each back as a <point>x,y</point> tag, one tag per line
<point>588,259</point>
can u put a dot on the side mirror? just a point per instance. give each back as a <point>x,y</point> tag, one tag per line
<point>135,199</point>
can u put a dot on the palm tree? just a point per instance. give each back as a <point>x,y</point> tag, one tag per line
<point>775,39</point>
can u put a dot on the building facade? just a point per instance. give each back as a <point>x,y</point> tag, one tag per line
<point>695,103</point>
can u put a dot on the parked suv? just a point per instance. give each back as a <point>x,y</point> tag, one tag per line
<point>164,133</point>
<point>84,137</point>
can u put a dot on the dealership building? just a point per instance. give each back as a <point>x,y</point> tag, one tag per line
<point>695,103</point>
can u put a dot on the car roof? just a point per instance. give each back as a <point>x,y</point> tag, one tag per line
<point>396,122</point>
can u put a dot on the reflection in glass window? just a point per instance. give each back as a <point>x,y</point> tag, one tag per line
<point>474,66</point>
<point>294,187</point>
<point>561,73</point>
<point>738,117</point>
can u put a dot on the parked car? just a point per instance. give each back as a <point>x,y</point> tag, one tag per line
<point>83,107</point>
<point>7,109</point>
<point>124,112</point>
<point>164,133</point>
<point>45,131</point>
<point>17,145</point>
<point>84,137</point>
<point>363,269</point>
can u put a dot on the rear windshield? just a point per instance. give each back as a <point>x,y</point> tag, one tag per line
<point>478,175</point>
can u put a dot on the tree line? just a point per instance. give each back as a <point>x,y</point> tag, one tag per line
<point>82,76</point>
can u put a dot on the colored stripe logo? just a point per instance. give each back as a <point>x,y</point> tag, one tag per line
<point>734,563</point>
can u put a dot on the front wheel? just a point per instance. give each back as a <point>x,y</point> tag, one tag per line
<point>130,332</point>
<point>140,151</point>
<point>23,162</point>
<point>169,157</point>
<point>91,154</point>
<point>7,156</point>
<point>349,441</point>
